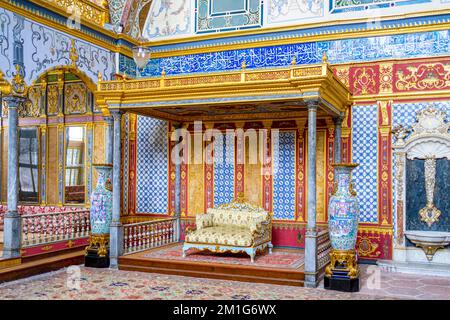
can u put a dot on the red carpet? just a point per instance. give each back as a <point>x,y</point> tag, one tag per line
<point>280,258</point>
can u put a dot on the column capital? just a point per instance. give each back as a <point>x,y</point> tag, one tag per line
<point>108,119</point>
<point>338,120</point>
<point>312,105</point>
<point>13,101</point>
<point>177,125</point>
<point>116,113</point>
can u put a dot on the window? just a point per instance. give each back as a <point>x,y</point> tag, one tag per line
<point>28,165</point>
<point>74,172</point>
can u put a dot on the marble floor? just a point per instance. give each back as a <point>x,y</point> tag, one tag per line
<point>78,282</point>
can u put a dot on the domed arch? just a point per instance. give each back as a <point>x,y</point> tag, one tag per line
<point>78,98</point>
<point>90,84</point>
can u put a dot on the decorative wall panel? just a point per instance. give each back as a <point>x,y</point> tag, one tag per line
<point>116,8</point>
<point>284,176</point>
<point>321,176</point>
<point>225,15</point>
<point>196,187</point>
<point>46,48</point>
<point>224,170</point>
<point>152,171</point>
<point>75,98</point>
<point>364,143</point>
<point>292,10</point>
<point>252,176</point>
<point>168,19</point>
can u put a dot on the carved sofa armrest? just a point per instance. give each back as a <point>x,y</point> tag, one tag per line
<point>260,223</point>
<point>204,220</point>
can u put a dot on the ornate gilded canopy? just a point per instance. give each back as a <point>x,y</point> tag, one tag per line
<point>237,95</point>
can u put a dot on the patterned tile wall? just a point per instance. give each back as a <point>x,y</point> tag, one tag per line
<point>152,171</point>
<point>224,154</point>
<point>364,139</point>
<point>127,66</point>
<point>284,176</point>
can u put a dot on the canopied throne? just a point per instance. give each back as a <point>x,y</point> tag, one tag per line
<point>233,227</point>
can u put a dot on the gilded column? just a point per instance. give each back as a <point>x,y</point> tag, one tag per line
<point>311,229</point>
<point>116,228</point>
<point>12,222</point>
<point>60,164</point>
<point>43,173</point>
<point>61,144</point>
<point>43,142</point>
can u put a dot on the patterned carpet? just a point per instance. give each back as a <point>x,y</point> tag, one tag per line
<point>104,284</point>
<point>278,259</point>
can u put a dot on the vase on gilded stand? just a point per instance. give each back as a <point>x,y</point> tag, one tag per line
<point>97,252</point>
<point>343,214</point>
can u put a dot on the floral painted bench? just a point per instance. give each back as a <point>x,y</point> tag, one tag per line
<point>234,227</point>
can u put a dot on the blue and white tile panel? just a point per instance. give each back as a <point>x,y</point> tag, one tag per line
<point>152,166</point>
<point>364,151</point>
<point>284,175</point>
<point>224,155</point>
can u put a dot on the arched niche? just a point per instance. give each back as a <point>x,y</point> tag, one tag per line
<point>421,146</point>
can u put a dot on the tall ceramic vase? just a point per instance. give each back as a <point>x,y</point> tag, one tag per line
<point>343,216</point>
<point>100,219</point>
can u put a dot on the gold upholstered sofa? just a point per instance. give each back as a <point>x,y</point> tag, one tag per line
<point>233,227</point>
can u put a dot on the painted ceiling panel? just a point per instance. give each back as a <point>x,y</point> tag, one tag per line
<point>169,19</point>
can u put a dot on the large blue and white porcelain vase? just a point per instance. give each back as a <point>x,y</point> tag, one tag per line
<point>101,201</point>
<point>343,209</point>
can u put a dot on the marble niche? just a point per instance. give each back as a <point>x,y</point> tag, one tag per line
<point>422,197</point>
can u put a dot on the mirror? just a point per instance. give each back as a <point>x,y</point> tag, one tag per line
<point>74,170</point>
<point>28,165</point>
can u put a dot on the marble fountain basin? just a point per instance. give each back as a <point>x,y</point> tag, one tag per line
<point>429,241</point>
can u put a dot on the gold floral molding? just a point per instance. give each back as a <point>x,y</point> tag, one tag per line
<point>427,76</point>
<point>84,9</point>
<point>5,86</point>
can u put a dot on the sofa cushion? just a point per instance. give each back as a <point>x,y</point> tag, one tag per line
<point>236,217</point>
<point>231,235</point>
<point>204,220</point>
